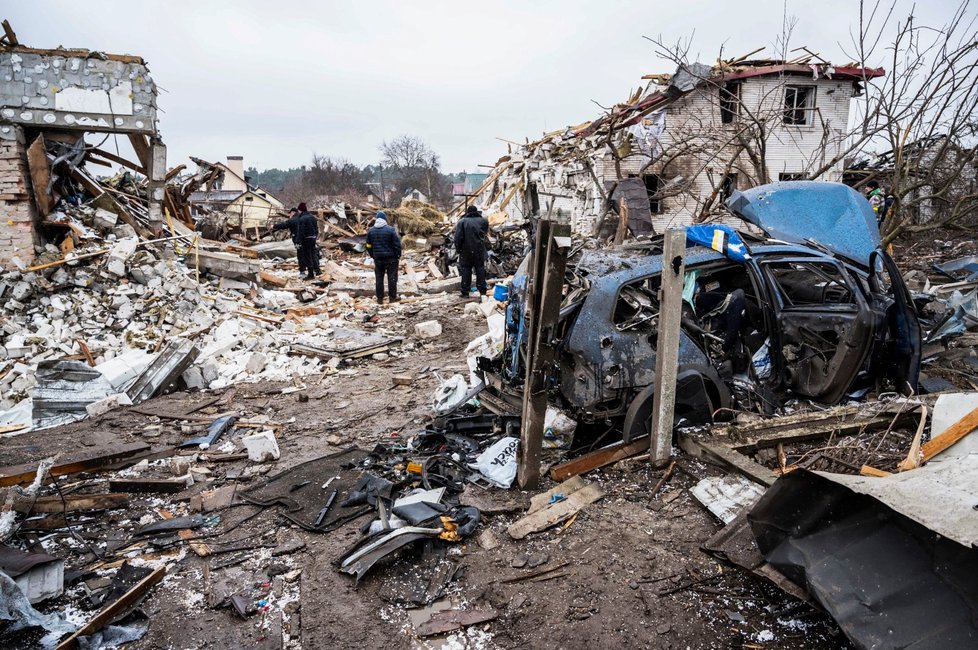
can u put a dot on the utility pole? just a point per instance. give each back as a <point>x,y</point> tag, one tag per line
<point>543,298</point>
<point>667,347</point>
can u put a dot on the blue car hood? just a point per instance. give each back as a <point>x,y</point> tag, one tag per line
<point>831,214</point>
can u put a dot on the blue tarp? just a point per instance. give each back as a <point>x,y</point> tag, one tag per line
<point>831,214</point>
<point>722,239</point>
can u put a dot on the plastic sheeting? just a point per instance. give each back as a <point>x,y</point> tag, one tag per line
<point>722,239</point>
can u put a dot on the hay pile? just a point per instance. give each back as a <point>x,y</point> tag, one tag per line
<point>416,218</point>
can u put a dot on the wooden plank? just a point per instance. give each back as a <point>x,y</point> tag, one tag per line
<point>953,434</point>
<point>555,513</point>
<point>912,461</point>
<point>869,470</point>
<point>119,160</point>
<point>600,458</point>
<point>729,458</point>
<point>115,609</point>
<point>568,487</point>
<point>37,163</point>
<point>89,358</point>
<point>435,271</point>
<point>140,145</point>
<point>10,37</point>
<point>71,503</point>
<point>166,485</point>
<point>270,278</point>
<point>667,345</point>
<point>91,461</point>
<point>10,428</point>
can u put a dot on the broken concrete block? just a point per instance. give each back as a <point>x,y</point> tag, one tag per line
<point>428,329</point>
<point>210,370</point>
<point>180,465</point>
<point>262,447</point>
<point>256,362</point>
<point>108,403</point>
<point>104,221</point>
<point>402,380</point>
<point>121,251</point>
<point>193,379</point>
<point>21,291</point>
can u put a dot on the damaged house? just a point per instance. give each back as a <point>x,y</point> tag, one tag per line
<point>247,206</point>
<point>49,101</point>
<point>677,148</point>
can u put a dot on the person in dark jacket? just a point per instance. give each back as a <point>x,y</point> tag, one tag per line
<point>308,233</point>
<point>470,242</point>
<point>292,224</point>
<point>384,246</point>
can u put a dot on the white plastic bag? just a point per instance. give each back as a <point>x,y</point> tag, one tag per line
<point>558,429</point>
<point>450,394</point>
<point>762,361</point>
<point>498,462</point>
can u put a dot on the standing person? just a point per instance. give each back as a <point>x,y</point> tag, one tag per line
<point>874,195</point>
<point>308,232</point>
<point>384,246</point>
<point>470,242</point>
<point>292,223</point>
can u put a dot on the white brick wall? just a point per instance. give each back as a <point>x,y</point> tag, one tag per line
<point>693,136</point>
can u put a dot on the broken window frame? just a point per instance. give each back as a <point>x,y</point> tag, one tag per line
<point>727,186</point>
<point>799,113</point>
<point>729,101</point>
<point>791,176</point>
<point>656,205</point>
<point>785,300</point>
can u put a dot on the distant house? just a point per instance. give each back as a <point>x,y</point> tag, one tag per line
<point>417,195</point>
<point>469,186</point>
<point>247,206</point>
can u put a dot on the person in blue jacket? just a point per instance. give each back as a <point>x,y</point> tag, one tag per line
<point>384,246</point>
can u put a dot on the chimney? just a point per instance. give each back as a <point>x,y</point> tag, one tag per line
<point>236,165</point>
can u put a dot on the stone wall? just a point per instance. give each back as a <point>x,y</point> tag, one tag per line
<point>16,202</point>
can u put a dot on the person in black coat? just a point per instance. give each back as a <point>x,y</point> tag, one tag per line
<point>308,232</point>
<point>292,224</point>
<point>471,234</point>
<point>384,246</point>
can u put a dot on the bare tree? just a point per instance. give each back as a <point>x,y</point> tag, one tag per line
<point>413,165</point>
<point>924,116</point>
<point>327,179</point>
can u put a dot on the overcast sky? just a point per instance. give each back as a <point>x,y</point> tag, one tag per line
<point>276,80</point>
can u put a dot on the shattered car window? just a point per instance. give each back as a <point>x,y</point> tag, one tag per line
<point>810,283</point>
<point>637,306</point>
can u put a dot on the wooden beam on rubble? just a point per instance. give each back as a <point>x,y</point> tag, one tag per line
<point>140,144</point>
<point>9,36</point>
<point>119,160</point>
<point>25,473</point>
<point>40,171</point>
<point>116,609</point>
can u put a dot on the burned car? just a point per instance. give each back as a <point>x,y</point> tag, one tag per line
<point>811,307</point>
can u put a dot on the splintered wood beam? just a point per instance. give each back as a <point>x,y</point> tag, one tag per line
<point>142,148</point>
<point>9,35</point>
<point>40,171</point>
<point>951,435</point>
<point>115,609</point>
<point>71,503</point>
<point>600,458</point>
<point>119,160</point>
<point>25,473</point>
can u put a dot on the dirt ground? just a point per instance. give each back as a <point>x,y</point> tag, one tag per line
<point>629,569</point>
<point>622,569</point>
